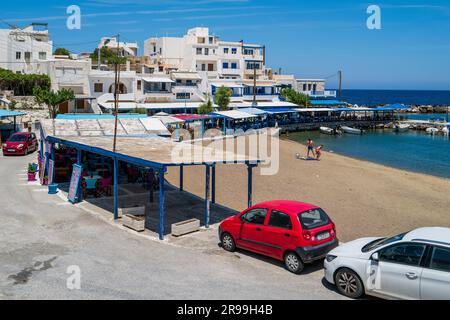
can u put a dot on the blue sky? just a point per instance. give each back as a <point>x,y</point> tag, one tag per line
<point>305,38</point>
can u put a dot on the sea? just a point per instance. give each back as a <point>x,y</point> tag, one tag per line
<point>374,98</point>
<point>413,151</point>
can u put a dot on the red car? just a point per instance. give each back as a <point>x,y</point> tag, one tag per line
<point>289,231</point>
<point>20,143</point>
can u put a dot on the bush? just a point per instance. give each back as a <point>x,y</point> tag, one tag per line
<point>293,96</point>
<point>22,84</point>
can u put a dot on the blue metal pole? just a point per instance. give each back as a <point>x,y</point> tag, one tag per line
<point>79,192</point>
<point>203,128</point>
<point>213,187</point>
<point>116,189</point>
<point>181,178</point>
<point>52,155</point>
<point>79,157</point>
<point>250,184</point>
<point>224,125</point>
<point>207,202</point>
<point>161,204</point>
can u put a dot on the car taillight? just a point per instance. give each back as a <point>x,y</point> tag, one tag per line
<point>307,235</point>
<point>333,228</point>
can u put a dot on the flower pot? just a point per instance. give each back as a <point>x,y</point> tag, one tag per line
<point>31,176</point>
<point>52,188</point>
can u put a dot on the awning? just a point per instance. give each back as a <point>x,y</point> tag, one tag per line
<point>279,110</point>
<point>259,83</point>
<point>235,114</point>
<point>186,76</point>
<point>195,117</point>
<point>168,119</point>
<point>91,116</point>
<point>9,113</point>
<point>121,105</point>
<point>253,111</point>
<point>326,102</point>
<point>315,109</point>
<point>398,106</point>
<point>157,80</point>
<point>226,85</point>
<point>170,106</point>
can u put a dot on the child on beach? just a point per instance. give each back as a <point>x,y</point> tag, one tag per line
<point>310,145</point>
<point>319,152</point>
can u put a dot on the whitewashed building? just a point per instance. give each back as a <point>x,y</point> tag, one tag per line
<point>126,49</point>
<point>22,48</point>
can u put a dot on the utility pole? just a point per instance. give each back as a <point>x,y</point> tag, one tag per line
<point>116,94</point>
<point>255,104</point>
<point>340,84</point>
<point>98,58</point>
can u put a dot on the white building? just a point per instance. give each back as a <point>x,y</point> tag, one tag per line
<point>22,49</point>
<point>199,51</point>
<point>126,49</point>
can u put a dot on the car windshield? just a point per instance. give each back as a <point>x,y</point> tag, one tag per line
<point>17,138</point>
<point>313,218</point>
<point>381,242</point>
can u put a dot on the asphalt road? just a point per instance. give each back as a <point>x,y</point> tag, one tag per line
<point>41,236</point>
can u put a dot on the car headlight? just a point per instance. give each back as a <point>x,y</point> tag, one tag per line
<point>20,146</point>
<point>330,257</point>
<point>4,145</point>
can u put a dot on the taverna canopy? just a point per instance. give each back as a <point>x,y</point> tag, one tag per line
<point>234,114</point>
<point>9,113</point>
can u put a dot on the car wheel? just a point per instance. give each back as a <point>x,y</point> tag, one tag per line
<point>293,263</point>
<point>228,242</point>
<point>349,284</point>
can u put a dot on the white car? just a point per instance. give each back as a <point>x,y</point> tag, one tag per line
<point>413,265</point>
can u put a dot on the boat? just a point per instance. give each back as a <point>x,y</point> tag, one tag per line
<point>432,131</point>
<point>326,130</point>
<point>351,130</point>
<point>446,131</point>
<point>401,127</point>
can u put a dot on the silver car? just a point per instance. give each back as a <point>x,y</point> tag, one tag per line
<point>412,265</point>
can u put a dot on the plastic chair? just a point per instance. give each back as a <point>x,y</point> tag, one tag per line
<point>90,187</point>
<point>105,185</point>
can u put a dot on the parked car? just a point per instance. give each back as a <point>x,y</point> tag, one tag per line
<point>412,265</point>
<point>294,232</point>
<point>20,143</point>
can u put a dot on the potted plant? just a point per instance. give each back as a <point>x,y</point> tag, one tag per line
<point>31,172</point>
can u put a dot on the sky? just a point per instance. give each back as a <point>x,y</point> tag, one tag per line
<point>310,39</point>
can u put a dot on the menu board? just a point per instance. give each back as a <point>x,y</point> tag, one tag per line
<point>51,165</point>
<point>75,183</point>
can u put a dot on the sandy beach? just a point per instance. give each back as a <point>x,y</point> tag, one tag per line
<point>363,198</point>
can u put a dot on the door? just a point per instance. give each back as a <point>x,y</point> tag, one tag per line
<point>250,236</point>
<point>435,282</point>
<point>64,107</point>
<point>399,270</point>
<point>278,234</point>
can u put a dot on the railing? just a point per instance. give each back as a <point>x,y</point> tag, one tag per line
<point>326,93</point>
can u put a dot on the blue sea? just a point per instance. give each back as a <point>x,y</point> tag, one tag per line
<point>412,151</point>
<point>408,97</point>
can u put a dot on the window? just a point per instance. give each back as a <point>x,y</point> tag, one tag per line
<point>98,87</point>
<point>304,87</point>
<point>183,95</point>
<point>211,40</point>
<point>199,51</point>
<point>139,85</point>
<point>226,50</point>
<point>27,56</point>
<point>42,55</point>
<point>313,218</point>
<point>255,216</point>
<point>233,51</point>
<point>234,65</point>
<point>201,40</point>
<point>280,220</point>
<point>203,67</point>
<point>382,242</point>
<point>206,52</point>
<point>18,55</point>
<point>404,253</point>
<point>253,65</point>
<point>225,65</point>
<point>248,52</point>
<point>210,67</point>
<point>441,259</point>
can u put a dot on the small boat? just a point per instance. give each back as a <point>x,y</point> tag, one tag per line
<point>432,131</point>
<point>446,131</point>
<point>351,130</point>
<point>401,127</point>
<point>326,130</point>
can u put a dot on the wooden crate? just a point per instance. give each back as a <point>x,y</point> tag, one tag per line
<point>185,227</point>
<point>135,211</point>
<point>137,223</point>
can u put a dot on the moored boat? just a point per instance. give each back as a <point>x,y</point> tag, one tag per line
<point>326,130</point>
<point>351,130</point>
<point>432,131</point>
<point>401,127</point>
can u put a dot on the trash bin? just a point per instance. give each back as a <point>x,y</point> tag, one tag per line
<point>52,188</point>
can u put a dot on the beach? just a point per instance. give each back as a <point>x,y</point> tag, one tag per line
<point>363,198</point>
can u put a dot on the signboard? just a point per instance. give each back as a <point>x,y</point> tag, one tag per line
<point>43,167</point>
<point>75,183</point>
<point>51,166</point>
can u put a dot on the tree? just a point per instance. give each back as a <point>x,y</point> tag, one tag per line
<point>223,96</point>
<point>62,52</point>
<point>108,56</point>
<point>22,84</point>
<point>52,99</point>
<point>206,107</point>
<point>295,97</point>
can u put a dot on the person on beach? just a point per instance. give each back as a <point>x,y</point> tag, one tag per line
<point>319,152</point>
<point>310,145</point>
